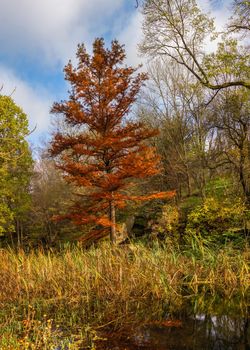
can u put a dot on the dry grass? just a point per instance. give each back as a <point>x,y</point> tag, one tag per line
<point>107,287</point>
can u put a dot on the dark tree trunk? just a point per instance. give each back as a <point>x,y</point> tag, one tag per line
<point>242,177</point>
<point>112,219</point>
<point>188,185</point>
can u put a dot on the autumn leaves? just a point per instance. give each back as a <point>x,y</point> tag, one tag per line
<point>105,152</point>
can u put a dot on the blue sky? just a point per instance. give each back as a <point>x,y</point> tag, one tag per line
<point>37,38</point>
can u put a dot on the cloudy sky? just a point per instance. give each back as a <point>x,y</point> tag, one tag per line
<point>38,37</point>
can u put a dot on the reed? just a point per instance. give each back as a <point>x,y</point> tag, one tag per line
<point>66,297</point>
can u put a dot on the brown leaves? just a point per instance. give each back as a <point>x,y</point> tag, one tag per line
<point>110,151</point>
<point>158,195</point>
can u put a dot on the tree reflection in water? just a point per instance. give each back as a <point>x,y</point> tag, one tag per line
<point>200,332</point>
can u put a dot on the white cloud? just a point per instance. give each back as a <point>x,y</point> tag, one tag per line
<point>52,27</point>
<point>131,36</point>
<point>35,102</point>
<point>219,13</point>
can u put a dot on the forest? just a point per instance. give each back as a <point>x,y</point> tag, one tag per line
<point>138,207</point>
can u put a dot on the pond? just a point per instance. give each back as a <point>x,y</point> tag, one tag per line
<point>194,332</point>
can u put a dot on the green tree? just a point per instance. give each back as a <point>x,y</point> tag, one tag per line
<point>240,20</point>
<point>15,166</point>
<point>178,29</point>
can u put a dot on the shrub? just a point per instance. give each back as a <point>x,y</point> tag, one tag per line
<point>166,225</point>
<point>217,221</point>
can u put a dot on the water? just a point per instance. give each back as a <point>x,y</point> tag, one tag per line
<point>197,332</point>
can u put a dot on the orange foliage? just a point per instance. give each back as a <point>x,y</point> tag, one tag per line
<point>158,195</point>
<point>105,152</point>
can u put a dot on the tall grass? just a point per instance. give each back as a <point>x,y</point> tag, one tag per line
<point>47,297</point>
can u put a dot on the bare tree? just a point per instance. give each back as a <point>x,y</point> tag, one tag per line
<point>174,103</point>
<point>232,121</point>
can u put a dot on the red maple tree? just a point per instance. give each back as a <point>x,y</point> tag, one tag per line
<point>104,151</point>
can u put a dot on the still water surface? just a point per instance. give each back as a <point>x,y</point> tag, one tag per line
<point>197,332</point>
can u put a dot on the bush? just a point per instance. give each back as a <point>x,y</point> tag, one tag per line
<point>166,225</point>
<point>217,221</point>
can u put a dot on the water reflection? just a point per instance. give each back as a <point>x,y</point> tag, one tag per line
<point>195,332</point>
<point>200,332</point>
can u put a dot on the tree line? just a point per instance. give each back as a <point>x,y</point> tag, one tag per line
<point>175,134</point>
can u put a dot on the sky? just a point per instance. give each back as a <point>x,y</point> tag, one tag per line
<point>38,37</point>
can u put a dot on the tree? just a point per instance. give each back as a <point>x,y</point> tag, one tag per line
<point>104,150</point>
<point>50,195</point>
<point>231,119</point>
<point>162,106</point>
<point>179,30</point>
<point>240,20</point>
<point>15,166</point>
<point>175,103</point>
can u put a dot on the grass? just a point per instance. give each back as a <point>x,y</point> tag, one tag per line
<point>68,297</point>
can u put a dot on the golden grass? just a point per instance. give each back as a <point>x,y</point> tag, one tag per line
<point>107,287</point>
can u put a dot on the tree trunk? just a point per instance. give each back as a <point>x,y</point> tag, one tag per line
<point>112,219</point>
<point>242,177</point>
<point>203,184</point>
<point>188,184</point>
